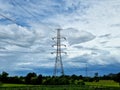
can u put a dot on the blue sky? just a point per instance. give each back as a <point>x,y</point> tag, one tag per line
<point>92,29</point>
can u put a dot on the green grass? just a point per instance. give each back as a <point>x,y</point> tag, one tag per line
<point>48,87</point>
<point>103,83</point>
<point>14,85</point>
<point>58,87</point>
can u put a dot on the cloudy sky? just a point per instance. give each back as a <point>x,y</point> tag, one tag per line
<point>91,27</point>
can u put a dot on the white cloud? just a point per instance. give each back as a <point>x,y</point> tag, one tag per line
<point>75,36</point>
<point>16,35</point>
<point>91,28</point>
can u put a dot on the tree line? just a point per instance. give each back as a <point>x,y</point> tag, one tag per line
<point>34,79</point>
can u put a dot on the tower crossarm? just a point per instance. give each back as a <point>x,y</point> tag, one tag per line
<point>55,38</point>
<point>58,52</point>
<point>59,45</point>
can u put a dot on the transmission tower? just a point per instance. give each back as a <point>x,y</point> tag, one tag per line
<point>58,61</point>
<point>86,70</point>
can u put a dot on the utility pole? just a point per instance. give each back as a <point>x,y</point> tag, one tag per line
<point>58,61</point>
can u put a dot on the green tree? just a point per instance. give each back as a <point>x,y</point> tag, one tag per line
<point>39,79</point>
<point>96,78</point>
<point>30,78</point>
<point>117,78</point>
<point>74,77</point>
<point>4,77</point>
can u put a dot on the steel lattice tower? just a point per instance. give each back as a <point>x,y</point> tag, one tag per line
<point>58,61</point>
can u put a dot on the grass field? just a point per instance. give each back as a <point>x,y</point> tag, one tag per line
<point>61,87</point>
<point>14,85</point>
<point>101,85</point>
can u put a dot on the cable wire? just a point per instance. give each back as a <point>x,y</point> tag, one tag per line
<point>9,19</point>
<point>17,3</point>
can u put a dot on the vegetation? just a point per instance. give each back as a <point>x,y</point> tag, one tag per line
<point>103,83</point>
<point>32,81</point>
<point>58,87</point>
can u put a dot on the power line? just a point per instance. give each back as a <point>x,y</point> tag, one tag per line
<point>9,19</point>
<point>25,9</point>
